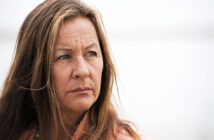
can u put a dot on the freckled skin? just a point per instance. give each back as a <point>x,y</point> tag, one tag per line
<point>78,63</point>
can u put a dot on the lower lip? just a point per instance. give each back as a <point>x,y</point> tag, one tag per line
<point>81,91</point>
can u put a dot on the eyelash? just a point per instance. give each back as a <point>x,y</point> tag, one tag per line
<point>91,53</point>
<point>67,56</point>
<point>63,57</point>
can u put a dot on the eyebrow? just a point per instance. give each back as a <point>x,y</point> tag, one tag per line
<point>70,50</point>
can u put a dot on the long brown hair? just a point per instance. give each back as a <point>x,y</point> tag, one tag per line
<point>28,97</point>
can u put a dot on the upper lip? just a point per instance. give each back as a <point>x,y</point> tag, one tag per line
<point>81,89</point>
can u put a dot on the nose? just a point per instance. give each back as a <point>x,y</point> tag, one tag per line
<point>80,69</point>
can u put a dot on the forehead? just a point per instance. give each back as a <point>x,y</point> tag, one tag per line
<point>76,28</point>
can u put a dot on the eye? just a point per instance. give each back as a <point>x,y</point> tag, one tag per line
<point>91,54</point>
<point>64,57</point>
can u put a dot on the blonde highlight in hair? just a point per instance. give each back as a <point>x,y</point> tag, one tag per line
<point>29,99</point>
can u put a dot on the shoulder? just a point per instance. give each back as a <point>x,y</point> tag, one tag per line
<point>124,135</point>
<point>28,135</point>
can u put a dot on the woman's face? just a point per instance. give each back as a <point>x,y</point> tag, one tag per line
<point>78,65</point>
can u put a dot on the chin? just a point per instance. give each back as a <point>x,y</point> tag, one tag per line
<point>85,106</point>
<point>81,107</point>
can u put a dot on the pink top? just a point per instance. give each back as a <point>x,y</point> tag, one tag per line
<point>122,135</point>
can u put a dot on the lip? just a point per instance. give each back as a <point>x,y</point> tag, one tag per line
<point>81,90</point>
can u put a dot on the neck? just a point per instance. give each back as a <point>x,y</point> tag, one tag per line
<point>72,120</point>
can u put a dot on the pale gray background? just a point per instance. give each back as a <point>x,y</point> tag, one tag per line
<point>164,53</point>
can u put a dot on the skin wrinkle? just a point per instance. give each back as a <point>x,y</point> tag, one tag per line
<point>66,49</point>
<point>73,58</point>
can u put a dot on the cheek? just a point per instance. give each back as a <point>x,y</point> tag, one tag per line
<point>98,72</point>
<point>59,79</point>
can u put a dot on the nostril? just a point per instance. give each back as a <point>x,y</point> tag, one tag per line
<point>80,68</point>
<point>80,72</point>
<point>76,76</point>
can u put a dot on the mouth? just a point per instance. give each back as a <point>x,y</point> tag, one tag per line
<point>81,90</point>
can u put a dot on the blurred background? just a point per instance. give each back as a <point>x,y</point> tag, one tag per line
<point>164,54</point>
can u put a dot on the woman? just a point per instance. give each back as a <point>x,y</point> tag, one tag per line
<point>60,84</point>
